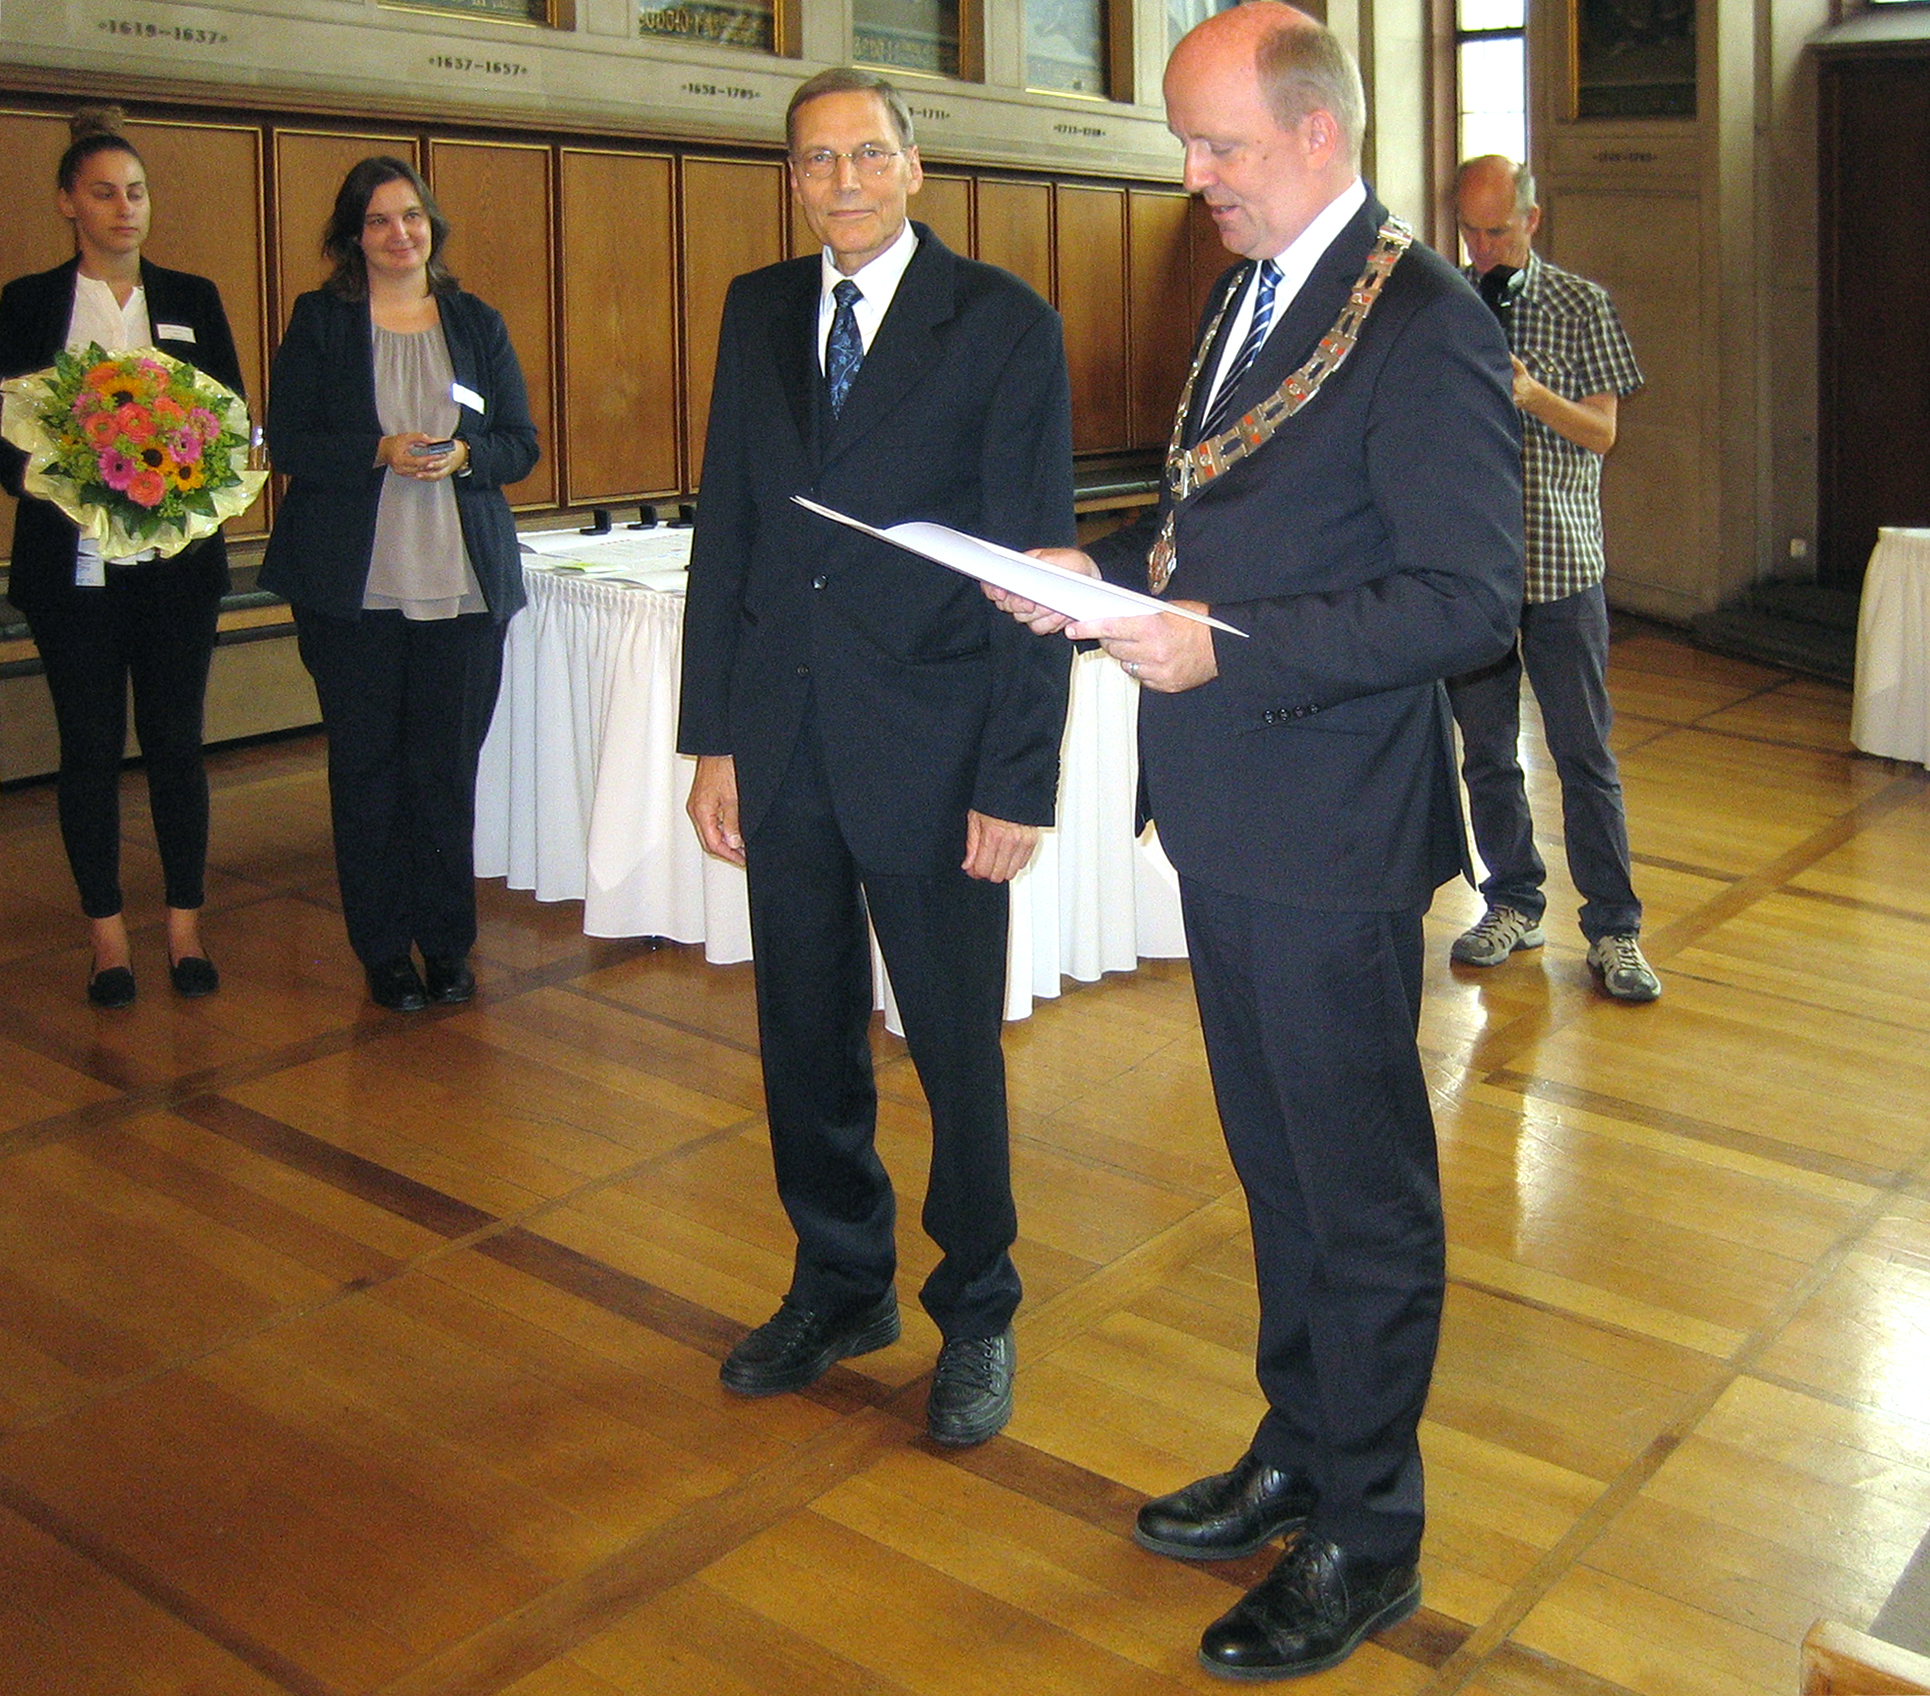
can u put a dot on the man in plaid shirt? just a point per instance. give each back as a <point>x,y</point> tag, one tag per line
<point>1572,365</point>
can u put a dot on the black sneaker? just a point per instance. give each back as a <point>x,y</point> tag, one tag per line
<point>971,1392</point>
<point>795,1346</point>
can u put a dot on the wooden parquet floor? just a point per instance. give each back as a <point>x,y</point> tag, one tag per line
<point>343,1352</point>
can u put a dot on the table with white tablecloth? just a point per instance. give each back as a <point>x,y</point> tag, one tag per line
<point>581,791</point>
<point>1891,711</point>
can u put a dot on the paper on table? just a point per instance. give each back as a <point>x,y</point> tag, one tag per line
<point>1084,599</point>
<point>644,559</point>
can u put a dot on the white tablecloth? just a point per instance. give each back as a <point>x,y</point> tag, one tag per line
<point>581,796</point>
<point>1891,714</point>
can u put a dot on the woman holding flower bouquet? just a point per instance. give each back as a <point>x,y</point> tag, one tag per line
<point>398,413</point>
<point>137,613</point>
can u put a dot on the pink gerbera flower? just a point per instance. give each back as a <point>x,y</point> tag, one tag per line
<point>117,470</point>
<point>185,445</point>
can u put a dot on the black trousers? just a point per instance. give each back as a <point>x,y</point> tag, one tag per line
<point>943,940</point>
<point>1310,1023</point>
<point>406,705</point>
<point>152,625</point>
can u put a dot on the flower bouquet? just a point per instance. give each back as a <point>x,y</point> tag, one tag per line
<point>139,449</point>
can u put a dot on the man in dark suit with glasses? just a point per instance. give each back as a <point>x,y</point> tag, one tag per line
<point>873,741</point>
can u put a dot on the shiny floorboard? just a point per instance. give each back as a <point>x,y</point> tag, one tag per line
<point>344,1352</point>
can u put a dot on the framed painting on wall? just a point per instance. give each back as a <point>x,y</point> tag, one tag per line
<point>555,13</point>
<point>1632,58</point>
<point>726,23</point>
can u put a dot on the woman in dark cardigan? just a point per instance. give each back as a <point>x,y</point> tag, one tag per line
<point>397,412</point>
<point>99,623</point>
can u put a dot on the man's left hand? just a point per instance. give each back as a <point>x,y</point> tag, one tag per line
<point>1163,652</point>
<point>997,849</point>
<point>1589,422</point>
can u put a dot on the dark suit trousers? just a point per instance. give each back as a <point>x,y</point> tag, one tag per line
<point>406,704</point>
<point>1310,1020</point>
<point>153,624</point>
<point>943,940</point>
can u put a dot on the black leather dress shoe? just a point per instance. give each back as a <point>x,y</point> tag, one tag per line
<point>971,1392</point>
<point>111,987</point>
<point>448,981</point>
<point>1310,1612</point>
<point>1226,1516</point>
<point>795,1346</point>
<point>394,985</point>
<point>193,976</point>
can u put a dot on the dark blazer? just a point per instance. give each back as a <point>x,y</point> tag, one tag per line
<point>928,702</point>
<point>1372,548</point>
<point>323,432</point>
<point>34,314</point>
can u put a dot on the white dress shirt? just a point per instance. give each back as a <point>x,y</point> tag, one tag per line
<point>99,317</point>
<point>1296,264</point>
<point>877,281</point>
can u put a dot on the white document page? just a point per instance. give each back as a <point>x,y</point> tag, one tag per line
<point>648,559</point>
<point>1077,596</point>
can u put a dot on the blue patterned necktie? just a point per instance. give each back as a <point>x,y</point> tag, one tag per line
<point>1216,419</point>
<point>844,352</point>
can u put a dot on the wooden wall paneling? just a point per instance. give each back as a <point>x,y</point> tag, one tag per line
<point>733,222</point>
<point>1657,524</point>
<point>309,168</point>
<point>496,196</point>
<point>797,231</point>
<point>209,216</point>
<point>619,276</point>
<point>1091,253</point>
<point>1160,314</point>
<point>33,235</point>
<point>945,203</point>
<point>1210,257</point>
<point>1015,229</point>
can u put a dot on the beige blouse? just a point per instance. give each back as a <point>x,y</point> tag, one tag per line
<point>418,564</point>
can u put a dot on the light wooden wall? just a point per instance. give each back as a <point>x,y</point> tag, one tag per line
<point>609,260</point>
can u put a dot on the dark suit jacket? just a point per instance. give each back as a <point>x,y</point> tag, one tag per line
<point>928,702</point>
<point>323,432</point>
<point>1372,548</point>
<point>34,314</point>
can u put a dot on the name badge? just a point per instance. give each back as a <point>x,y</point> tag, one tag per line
<point>174,332</point>
<point>90,570</point>
<point>466,397</point>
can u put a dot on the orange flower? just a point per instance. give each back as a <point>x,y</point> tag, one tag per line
<point>102,429</point>
<point>147,487</point>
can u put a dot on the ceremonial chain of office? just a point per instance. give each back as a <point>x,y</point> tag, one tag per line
<point>1188,470</point>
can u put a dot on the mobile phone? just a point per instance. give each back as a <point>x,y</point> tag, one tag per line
<point>426,448</point>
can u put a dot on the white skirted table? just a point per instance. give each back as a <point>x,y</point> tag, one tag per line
<point>1891,713</point>
<point>581,791</point>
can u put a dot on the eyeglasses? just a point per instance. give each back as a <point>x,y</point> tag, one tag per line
<point>870,159</point>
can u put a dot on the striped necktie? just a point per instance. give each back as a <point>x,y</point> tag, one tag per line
<point>844,352</point>
<point>1217,417</point>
